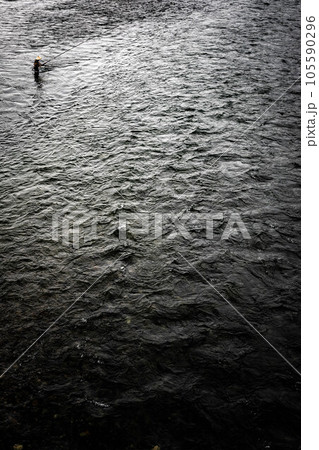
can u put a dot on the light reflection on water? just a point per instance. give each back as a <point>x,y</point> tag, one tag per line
<point>146,119</point>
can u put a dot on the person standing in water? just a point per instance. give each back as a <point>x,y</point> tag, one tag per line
<point>36,66</point>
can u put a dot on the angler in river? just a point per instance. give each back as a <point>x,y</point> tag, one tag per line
<point>36,66</point>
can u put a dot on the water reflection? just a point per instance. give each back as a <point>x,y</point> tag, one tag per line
<point>148,125</point>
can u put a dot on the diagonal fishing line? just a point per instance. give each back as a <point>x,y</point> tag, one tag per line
<point>261,115</point>
<point>54,57</point>
<point>71,48</point>
<point>58,318</point>
<point>243,133</point>
<point>241,315</point>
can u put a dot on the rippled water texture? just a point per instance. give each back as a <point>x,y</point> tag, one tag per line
<point>155,114</point>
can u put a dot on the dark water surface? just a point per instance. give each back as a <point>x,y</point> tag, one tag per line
<point>148,117</point>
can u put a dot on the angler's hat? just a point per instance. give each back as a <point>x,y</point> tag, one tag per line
<point>38,57</point>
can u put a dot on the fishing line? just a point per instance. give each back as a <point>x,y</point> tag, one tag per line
<point>68,50</point>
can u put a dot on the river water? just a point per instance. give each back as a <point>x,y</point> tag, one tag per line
<point>152,122</point>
